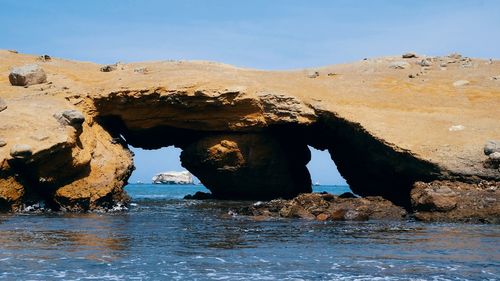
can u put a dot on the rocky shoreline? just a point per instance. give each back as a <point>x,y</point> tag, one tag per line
<point>412,132</point>
<point>439,201</point>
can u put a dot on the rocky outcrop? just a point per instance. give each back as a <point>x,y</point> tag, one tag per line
<point>244,133</point>
<point>323,207</point>
<point>172,177</point>
<point>456,201</point>
<point>249,166</point>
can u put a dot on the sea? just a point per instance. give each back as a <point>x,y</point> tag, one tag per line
<point>164,237</point>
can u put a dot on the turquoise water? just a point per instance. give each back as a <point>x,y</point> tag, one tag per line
<point>162,237</point>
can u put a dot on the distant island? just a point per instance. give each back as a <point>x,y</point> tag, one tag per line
<point>173,177</point>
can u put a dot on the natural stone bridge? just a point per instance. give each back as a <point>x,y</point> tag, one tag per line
<point>244,133</point>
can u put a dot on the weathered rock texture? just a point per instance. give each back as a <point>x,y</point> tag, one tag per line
<point>384,130</point>
<point>457,201</point>
<point>324,207</point>
<point>26,75</point>
<point>250,166</point>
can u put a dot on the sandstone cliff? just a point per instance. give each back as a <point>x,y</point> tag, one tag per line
<point>387,123</point>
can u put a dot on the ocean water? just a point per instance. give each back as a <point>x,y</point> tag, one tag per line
<point>162,237</point>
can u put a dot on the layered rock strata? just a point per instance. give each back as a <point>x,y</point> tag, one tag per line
<point>244,133</point>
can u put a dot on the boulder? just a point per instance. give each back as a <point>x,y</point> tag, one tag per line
<point>425,62</point>
<point>456,201</point>
<point>3,105</point>
<point>109,67</point>
<point>312,74</point>
<point>495,157</point>
<point>409,55</point>
<point>456,56</point>
<point>399,65</point>
<point>142,70</point>
<point>2,143</point>
<point>491,146</point>
<point>44,58</point>
<point>70,117</point>
<point>27,75</point>
<point>21,151</point>
<point>433,198</point>
<point>461,83</point>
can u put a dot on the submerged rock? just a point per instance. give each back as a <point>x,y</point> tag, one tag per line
<point>199,195</point>
<point>26,75</point>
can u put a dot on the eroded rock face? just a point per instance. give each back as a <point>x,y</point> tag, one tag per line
<point>249,166</point>
<point>383,130</point>
<point>456,201</point>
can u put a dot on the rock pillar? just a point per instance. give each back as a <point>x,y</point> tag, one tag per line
<point>249,166</point>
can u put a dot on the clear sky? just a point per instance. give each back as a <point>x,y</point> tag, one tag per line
<point>278,34</point>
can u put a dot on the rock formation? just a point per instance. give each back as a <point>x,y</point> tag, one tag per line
<point>173,177</point>
<point>387,123</point>
<point>324,207</point>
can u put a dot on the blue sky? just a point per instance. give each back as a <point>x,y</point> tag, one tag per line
<point>262,34</point>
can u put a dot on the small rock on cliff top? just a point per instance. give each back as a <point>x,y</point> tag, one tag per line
<point>491,146</point>
<point>26,75</point>
<point>3,105</point>
<point>21,151</point>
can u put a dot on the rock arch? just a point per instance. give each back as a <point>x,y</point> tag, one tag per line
<point>243,132</point>
<point>256,148</point>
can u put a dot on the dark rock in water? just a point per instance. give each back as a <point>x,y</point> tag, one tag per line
<point>199,196</point>
<point>27,75</point>
<point>347,195</point>
<point>327,207</point>
<point>3,105</point>
<point>21,151</point>
<point>457,201</point>
<point>70,117</point>
<point>491,146</point>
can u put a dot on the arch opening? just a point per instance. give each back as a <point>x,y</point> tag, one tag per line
<point>158,173</point>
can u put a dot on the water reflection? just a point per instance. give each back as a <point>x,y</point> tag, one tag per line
<point>92,235</point>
